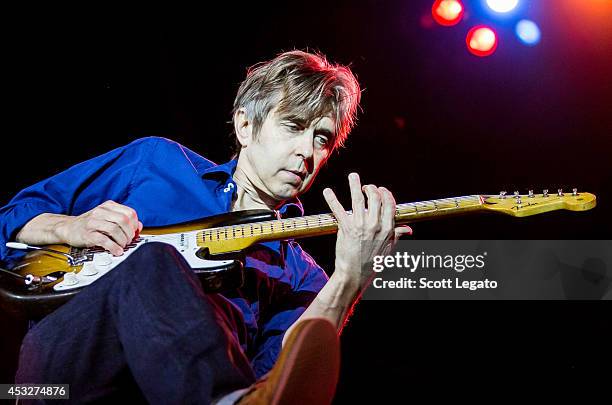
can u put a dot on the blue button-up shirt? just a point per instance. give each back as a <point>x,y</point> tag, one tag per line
<point>166,183</point>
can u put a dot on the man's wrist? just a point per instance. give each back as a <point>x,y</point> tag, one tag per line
<point>357,277</point>
<point>45,229</point>
<point>58,229</point>
<point>350,283</point>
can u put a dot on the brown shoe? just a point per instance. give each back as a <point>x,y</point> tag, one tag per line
<point>306,371</point>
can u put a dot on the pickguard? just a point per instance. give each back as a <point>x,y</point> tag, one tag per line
<point>101,263</point>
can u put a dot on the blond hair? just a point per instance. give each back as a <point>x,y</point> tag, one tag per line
<point>302,86</point>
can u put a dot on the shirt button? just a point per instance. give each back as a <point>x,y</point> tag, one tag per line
<point>229,187</point>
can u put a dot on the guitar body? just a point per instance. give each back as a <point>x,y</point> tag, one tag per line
<point>217,270</point>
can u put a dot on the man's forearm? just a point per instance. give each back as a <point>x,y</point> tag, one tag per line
<point>41,230</point>
<point>334,302</point>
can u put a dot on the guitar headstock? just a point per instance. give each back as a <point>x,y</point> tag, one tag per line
<point>522,205</point>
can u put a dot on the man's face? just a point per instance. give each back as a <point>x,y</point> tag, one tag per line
<point>286,156</point>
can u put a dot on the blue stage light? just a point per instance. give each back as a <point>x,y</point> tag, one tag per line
<point>528,32</point>
<point>502,6</point>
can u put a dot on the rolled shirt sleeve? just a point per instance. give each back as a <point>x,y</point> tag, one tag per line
<point>71,192</point>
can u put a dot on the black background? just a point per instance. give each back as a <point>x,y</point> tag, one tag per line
<point>436,122</point>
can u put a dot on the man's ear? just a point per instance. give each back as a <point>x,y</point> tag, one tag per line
<point>243,127</point>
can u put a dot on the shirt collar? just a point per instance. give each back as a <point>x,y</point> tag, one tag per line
<point>225,171</point>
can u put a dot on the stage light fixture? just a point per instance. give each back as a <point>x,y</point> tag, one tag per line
<point>447,12</point>
<point>528,32</point>
<point>502,6</point>
<point>481,41</point>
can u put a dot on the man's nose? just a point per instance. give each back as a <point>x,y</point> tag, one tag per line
<point>305,145</point>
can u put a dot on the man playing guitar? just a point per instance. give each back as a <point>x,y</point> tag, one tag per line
<point>147,329</point>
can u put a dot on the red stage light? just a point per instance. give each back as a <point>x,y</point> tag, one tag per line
<point>481,41</point>
<point>447,12</point>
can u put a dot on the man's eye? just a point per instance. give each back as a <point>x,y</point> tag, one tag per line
<point>322,140</point>
<point>293,127</point>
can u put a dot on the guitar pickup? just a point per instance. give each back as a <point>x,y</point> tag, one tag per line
<point>183,242</point>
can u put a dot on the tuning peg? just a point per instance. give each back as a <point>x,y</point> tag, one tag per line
<point>560,192</point>
<point>517,195</point>
<point>502,195</point>
<point>574,192</point>
<point>545,192</point>
<point>531,194</point>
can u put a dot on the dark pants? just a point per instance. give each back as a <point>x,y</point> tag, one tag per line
<point>144,331</point>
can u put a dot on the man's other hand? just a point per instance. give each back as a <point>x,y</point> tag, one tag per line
<point>110,225</point>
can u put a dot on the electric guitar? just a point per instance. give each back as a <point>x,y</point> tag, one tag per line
<point>49,276</point>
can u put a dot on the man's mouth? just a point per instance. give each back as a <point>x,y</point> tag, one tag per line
<point>300,174</point>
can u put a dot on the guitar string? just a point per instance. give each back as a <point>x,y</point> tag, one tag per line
<point>322,220</point>
<point>300,223</point>
<point>329,218</point>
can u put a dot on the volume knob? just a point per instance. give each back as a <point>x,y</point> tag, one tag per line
<point>88,270</point>
<point>102,261</point>
<point>70,279</point>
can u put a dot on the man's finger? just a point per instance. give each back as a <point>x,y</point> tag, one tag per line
<point>403,230</point>
<point>127,211</point>
<point>121,220</point>
<point>337,208</point>
<point>374,199</point>
<point>137,234</point>
<point>110,229</point>
<point>357,198</point>
<point>388,209</point>
<point>103,241</point>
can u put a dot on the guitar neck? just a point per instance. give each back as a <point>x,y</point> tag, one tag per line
<point>322,224</point>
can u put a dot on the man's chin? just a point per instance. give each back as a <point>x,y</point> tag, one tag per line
<point>287,192</point>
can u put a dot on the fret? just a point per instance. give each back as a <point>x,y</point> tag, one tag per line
<point>323,223</point>
<point>424,206</point>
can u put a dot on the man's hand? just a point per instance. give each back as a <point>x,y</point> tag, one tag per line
<point>364,233</point>
<point>109,225</point>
